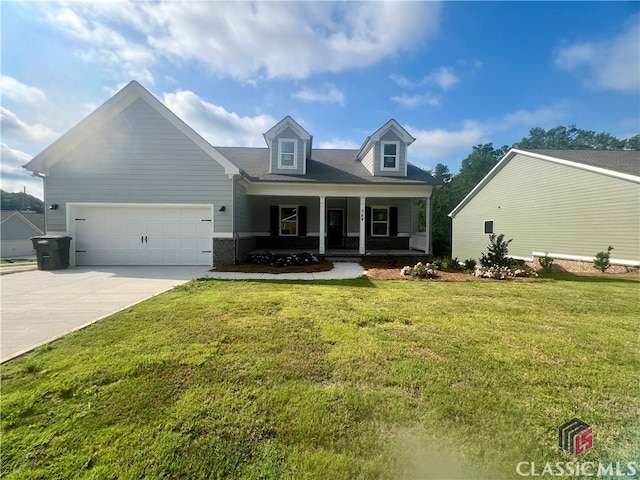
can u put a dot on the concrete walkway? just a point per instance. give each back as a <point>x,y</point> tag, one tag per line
<point>40,306</point>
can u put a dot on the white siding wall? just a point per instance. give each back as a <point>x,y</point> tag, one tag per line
<point>138,157</point>
<point>547,207</point>
<point>367,160</point>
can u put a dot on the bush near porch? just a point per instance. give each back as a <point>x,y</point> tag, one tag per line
<point>331,380</point>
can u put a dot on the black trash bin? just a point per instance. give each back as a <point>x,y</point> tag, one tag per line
<point>52,251</point>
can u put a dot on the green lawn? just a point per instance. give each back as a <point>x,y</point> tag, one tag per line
<point>332,380</point>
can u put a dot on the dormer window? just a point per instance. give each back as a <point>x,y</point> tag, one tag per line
<point>288,153</point>
<point>390,151</point>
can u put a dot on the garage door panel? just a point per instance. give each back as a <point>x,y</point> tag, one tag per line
<point>145,235</point>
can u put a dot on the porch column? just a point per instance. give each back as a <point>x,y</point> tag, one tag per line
<point>427,224</point>
<point>323,216</point>
<point>363,238</point>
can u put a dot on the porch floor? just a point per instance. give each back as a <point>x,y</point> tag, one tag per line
<point>339,253</point>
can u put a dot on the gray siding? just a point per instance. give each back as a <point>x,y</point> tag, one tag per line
<point>389,136</point>
<point>15,228</point>
<point>547,207</point>
<point>260,208</point>
<point>138,157</point>
<point>242,211</point>
<point>288,133</point>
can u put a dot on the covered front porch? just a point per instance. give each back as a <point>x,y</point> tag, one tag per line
<point>336,221</point>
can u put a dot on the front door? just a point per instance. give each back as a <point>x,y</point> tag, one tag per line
<point>335,230</point>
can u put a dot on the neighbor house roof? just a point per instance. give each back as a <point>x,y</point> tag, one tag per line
<point>32,219</point>
<point>621,161</point>
<point>623,164</point>
<point>324,166</point>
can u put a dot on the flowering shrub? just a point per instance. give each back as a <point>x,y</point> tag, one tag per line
<point>502,273</point>
<point>420,270</point>
<point>284,261</point>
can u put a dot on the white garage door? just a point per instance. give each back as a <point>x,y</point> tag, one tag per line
<point>143,235</point>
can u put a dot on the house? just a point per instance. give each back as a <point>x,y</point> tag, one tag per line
<point>570,204</point>
<point>16,230</point>
<point>132,184</point>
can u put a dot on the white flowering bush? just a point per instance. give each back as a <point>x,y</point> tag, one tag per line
<point>502,273</point>
<point>420,270</point>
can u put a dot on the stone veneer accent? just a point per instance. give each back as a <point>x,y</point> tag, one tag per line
<point>575,266</point>
<point>224,251</point>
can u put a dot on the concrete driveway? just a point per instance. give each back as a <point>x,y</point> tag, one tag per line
<point>40,306</point>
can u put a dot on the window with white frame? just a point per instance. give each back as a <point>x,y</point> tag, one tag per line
<point>287,153</point>
<point>488,227</point>
<point>390,154</point>
<point>288,220</point>
<point>380,221</point>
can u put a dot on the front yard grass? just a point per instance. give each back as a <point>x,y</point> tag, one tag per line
<point>332,380</point>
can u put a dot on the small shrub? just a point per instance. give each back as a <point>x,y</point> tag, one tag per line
<point>284,261</point>
<point>421,270</point>
<point>517,269</point>
<point>497,252</point>
<point>602,261</point>
<point>546,263</point>
<point>470,264</point>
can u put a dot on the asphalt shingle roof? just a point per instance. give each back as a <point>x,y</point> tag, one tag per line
<point>622,161</point>
<point>325,166</point>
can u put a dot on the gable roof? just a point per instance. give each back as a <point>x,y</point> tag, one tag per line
<point>375,136</point>
<point>32,219</point>
<point>622,164</point>
<point>287,121</point>
<point>41,163</point>
<point>326,166</point>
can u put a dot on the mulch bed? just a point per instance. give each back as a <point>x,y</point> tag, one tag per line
<point>321,266</point>
<point>380,270</point>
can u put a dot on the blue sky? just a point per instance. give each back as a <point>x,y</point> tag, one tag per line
<point>455,74</point>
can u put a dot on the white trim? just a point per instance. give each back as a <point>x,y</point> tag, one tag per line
<point>380,207</point>
<point>281,166</point>
<point>493,226</point>
<point>514,151</point>
<point>582,258</point>
<point>310,189</point>
<point>396,168</point>
<point>405,136</point>
<point>297,209</point>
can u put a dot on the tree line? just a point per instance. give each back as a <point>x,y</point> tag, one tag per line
<point>21,201</point>
<point>485,156</point>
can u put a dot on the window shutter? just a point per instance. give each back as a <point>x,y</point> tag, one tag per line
<point>274,220</point>
<point>367,221</point>
<point>302,221</point>
<point>393,221</point>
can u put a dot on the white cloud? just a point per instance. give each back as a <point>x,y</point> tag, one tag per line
<point>339,144</point>
<point>607,65</point>
<point>328,94</point>
<point>540,117</point>
<point>14,128</point>
<point>217,125</point>
<point>15,90</point>
<point>444,78</point>
<point>440,143</point>
<point>116,53</point>
<point>13,177</point>
<point>243,39</point>
<point>412,101</point>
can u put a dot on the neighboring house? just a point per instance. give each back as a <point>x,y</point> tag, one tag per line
<point>16,230</point>
<point>570,204</point>
<point>132,184</point>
